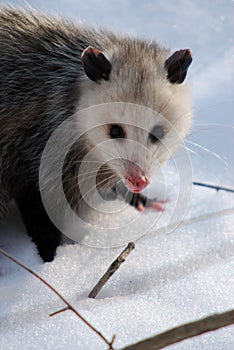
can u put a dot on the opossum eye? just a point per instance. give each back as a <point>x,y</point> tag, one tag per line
<point>116,132</point>
<point>157,133</point>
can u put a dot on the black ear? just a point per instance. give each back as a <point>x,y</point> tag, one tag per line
<point>177,65</point>
<point>96,65</point>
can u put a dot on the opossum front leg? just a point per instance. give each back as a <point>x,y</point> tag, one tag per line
<point>141,202</point>
<point>138,200</point>
<point>44,234</point>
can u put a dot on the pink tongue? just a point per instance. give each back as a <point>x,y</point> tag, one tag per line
<point>135,180</point>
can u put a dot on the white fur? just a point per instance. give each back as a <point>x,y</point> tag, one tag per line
<point>117,102</point>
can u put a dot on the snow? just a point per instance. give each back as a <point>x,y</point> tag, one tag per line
<point>171,277</point>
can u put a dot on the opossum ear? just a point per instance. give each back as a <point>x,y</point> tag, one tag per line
<point>96,65</point>
<point>177,65</point>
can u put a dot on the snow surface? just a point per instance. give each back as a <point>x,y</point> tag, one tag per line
<point>171,277</point>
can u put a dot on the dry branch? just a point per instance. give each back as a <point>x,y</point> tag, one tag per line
<point>111,270</point>
<point>215,187</point>
<point>185,331</point>
<point>69,306</point>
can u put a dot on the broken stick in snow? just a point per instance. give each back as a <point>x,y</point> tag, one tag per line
<point>111,270</point>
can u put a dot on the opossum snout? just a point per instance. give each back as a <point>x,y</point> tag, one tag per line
<point>135,179</point>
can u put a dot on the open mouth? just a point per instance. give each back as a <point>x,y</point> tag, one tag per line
<point>136,181</point>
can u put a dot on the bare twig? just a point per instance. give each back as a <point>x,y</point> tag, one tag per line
<point>69,306</point>
<point>217,188</point>
<point>185,331</point>
<point>59,311</point>
<point>111,270</point>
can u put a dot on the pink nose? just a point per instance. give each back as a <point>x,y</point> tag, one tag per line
<point>136,182</point>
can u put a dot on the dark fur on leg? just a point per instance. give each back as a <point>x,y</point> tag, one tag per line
<point>138,198</point>
<point>44,234</point>
<point>134,199</point>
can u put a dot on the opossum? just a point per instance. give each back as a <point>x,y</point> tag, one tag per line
<point>49,70</point>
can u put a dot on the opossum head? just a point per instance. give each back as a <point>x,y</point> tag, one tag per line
<point>140,108</point>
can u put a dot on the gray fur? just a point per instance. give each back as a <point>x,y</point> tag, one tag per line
<point>40,68</point>
<point>42,79</point>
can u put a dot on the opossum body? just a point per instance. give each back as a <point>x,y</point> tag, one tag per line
<point>50,69</point>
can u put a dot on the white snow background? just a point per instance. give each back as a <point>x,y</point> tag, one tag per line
<point>170,278</point>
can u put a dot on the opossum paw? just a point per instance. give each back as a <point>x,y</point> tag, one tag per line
<point>157,205</point>
<point>141,202</point>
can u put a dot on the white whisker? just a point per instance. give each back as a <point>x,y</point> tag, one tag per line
<point>209,151</point>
